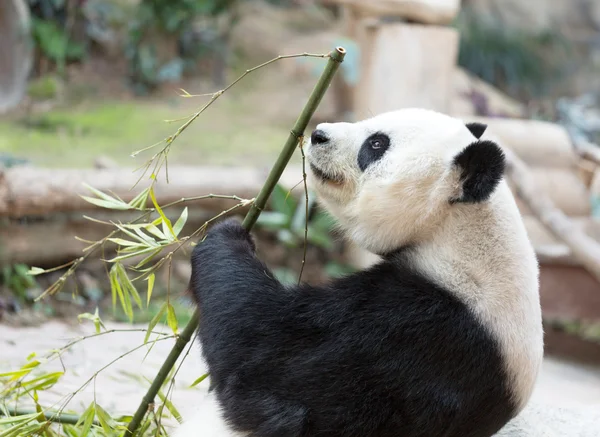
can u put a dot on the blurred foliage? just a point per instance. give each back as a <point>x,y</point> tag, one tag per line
<point>523,64</point>
<point>52,24</point>
<point>297,223</point>
<point>158,22</point>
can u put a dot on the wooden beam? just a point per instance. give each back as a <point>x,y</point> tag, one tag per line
<point>585,249</point>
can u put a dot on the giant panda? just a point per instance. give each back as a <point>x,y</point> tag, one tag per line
<point>442,338</point>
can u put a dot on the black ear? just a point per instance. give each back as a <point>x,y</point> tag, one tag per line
<point>477,129</point>
<point>481,165</point>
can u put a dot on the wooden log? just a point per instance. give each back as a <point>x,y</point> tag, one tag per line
<point>51,242</point>
<point>583,247</point>
<point>564,187</point>
<point>386,83</point>
<point>30,191</point>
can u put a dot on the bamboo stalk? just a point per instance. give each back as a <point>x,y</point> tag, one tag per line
<point>336,57</point>
<point>56,417</point>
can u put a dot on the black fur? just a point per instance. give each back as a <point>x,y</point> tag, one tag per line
<point>477,129</point>
<point>372,150</point>
<point>481,166</point>
<point>381,353</point>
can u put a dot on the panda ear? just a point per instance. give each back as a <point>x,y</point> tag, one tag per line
<point>477,129</point>
<point>481,167</point>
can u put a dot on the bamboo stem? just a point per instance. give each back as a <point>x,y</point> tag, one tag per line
<point>57,417</point>
<point>336,57</point>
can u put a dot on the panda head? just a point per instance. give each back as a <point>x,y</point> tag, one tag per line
<point>393,179</point>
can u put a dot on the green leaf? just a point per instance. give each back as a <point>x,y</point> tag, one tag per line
<point>150,280</point>
<point>87,418</point>
<point>165,220</point>
<point>139,201</point>
<point>127,285</point>
<point>36,271</point>
<point>122,242</point>
<point>180,223</point>
<point>199,380</point>
<point>117,289</point>
<point>170,406</point>
<point>148,258</point>
<point>272,220</point>
<point>172,318</point>
<point>112,204</point>
<point>157,317</point>
<point>107,422</point>
<point>282,202</point>
<point>42,382</point>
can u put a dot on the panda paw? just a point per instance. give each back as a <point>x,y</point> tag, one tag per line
<point>228,232</point>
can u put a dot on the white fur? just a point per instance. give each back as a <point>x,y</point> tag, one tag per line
<point>481,252</point>
<point>207,421</point>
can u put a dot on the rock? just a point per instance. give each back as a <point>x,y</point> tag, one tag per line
<point>17,52</point>
<point>404,65</point>
<point>473,97</point>
<point>420,11</point>
<point>537,143</point>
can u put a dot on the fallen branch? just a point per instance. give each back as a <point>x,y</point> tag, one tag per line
<point>336,57</point>
<point>584,248</point>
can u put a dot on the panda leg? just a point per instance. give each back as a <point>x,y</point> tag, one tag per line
<point>207,421</point>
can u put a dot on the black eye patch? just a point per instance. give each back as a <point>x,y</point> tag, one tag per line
<point>372,150</point>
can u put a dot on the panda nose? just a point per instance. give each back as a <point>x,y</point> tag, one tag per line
<point>318,137</point>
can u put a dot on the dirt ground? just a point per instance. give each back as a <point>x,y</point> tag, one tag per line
<point>119,390</point>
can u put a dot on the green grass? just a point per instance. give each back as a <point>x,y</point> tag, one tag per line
<point>226,134</point>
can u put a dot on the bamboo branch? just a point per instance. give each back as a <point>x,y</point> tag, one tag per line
<point>584,248</point>
<point>336,57</point>
<point>55,417</point>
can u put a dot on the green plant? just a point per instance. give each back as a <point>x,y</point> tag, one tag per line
<point>524,64</point>
<point>299,223</point>
<point>18,280</point>
<point>170,20</point>
<point>51,26</point>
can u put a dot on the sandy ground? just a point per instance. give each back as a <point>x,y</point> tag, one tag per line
<point>120,387</point>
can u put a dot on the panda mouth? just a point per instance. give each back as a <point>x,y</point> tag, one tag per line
<point>326,177</point>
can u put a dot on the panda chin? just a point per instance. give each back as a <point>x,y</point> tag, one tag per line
<point>326,178</point>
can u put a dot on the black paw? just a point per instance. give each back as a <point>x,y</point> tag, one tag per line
<point>228,232</point>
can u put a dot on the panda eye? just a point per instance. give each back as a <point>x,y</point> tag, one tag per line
<point>375,144</point>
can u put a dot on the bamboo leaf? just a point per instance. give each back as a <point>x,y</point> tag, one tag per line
<point>33,271</point>
<point>156,232</point>
<point>148,258</point>
<point>105,420</point>
<point>150,280</point>
<point>123,296</point>
<point>139,201</point>
<point>199,380</point>
<point>87,418</point>
<point>180,223</point>
<point>157,317</point>
<point>98,193</point>
<point>106,204</point>
<point>172,318</point>
<point>122,242</point>
<point>43,382</point>
<point>165,220</point>
<point>170,406</point>
<point>128,286</point>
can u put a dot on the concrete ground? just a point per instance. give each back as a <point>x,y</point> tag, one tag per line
<point>120,387</point>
